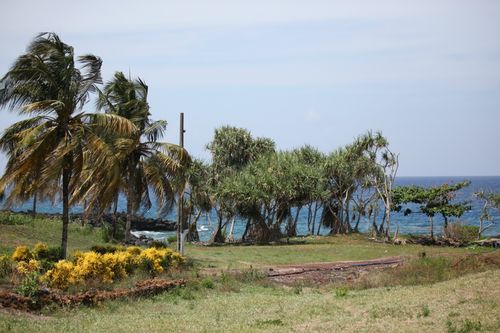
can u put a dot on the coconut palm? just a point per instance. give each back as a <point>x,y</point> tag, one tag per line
<point>57,139</point>
<point>141,162</point>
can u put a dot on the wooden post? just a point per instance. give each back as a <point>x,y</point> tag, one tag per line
<point>180,206</point>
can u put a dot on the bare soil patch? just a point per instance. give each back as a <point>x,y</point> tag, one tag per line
<point>319,273</point>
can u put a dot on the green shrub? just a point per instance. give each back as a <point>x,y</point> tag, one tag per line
<point>207,283</point>
<point>54,254</point>
<point>107,231</point>
<point>425,311</point>
<point>5,266</point>
<point>43,252</point>
<point>158,244</point>
<point>341,292</point>
<point>252,275</point>
<point>103,249</point>
<point>465,326</point>
<point>297,289</point>
<point>15,219</point>
<point>29,285</point>
<point>461,232</point>
<point>172,239</point>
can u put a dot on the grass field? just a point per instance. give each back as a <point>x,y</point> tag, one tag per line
<point>16,229</point>
<point>468,303</point>
<point>307,250</point>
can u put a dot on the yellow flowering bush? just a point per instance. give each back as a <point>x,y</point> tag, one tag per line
<point>154,260</point>
<point>41,250</point>
<point>27,267</point>
<point>157,260</point>
<point>22,253</point>
<point>89,266</point>
<point>62,275</point>
<point>134,250</point>
<point>110,267</point>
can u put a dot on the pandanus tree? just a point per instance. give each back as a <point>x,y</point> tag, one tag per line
<point>382,172</point>
<point>232,149</point>
<point>141,164</point>
<point>58,140</point>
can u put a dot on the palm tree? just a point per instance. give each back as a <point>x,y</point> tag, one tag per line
<point>58,139</point>
<point>141,162</point>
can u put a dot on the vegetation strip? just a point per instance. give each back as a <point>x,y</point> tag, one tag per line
<point>142,288</point>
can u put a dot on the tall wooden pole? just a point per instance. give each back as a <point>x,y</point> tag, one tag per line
<point>180,206</point>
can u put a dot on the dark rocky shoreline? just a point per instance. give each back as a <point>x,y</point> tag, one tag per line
<point>139,223</point>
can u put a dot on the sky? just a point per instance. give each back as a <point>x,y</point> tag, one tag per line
<point>425,73</point>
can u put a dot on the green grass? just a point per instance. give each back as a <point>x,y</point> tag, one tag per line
<point>457,305</point>
<point>249,303</point>
<point>16,229</point>
<point>307,250</point>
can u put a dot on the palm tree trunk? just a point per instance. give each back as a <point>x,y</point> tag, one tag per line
<point>33,211</point>
<point>65,216</point>
<point>128,223</point>
<point>115,208</point>
<point>131,198</point>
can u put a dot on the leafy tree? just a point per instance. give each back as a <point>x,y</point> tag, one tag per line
<point>57,140</point>
<point>432,201</point>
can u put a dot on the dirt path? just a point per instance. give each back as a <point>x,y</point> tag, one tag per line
<point>328,272</point>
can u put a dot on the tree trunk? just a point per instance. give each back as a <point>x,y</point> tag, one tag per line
<point>115,208</point>
<point>33,211</point>
<point>193,235</point>
<point>381,228</point>
<point>230,238</point>
<point>388,221</point>
<point>481,221</point>
<point>314,218</point>
<point>292,224</point>
<point>128,222</point>
<point>217,236</point>
<point>356,227</point>
<point>445,223</point>
<point>374,222</point>
<point>131,198</point>
<point>247,227</point>
<point>431,223</point>
<point>65,215</point>
<point>309,217</point>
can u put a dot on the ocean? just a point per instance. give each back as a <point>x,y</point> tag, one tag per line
<point>415,223</point>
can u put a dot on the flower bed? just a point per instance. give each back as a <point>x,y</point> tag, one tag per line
<point>33,269</point>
